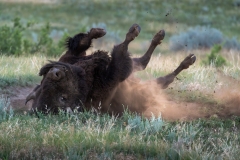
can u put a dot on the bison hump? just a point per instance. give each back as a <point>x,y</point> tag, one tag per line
<point>101,60</point>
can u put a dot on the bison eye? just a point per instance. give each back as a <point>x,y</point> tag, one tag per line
<point>63,99</point>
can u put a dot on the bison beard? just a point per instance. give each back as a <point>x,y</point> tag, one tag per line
<point>80,81</point>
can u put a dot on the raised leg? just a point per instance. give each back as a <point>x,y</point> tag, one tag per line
<point>120,66</point>
<point>141,63</point>
<point>166,80</point>
<point>79,44</point>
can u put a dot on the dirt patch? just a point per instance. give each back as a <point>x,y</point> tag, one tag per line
<point>229,94</point>
<point>17,96</point>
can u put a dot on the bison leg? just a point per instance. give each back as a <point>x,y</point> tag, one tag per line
<point>120,66</point>
<point>86,41</point>
<point>95,33</point>
<point>141,63</point>
<point>166,80</point>
<point>79,44</point>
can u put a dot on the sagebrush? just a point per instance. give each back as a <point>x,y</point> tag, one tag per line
<point>201,37</point>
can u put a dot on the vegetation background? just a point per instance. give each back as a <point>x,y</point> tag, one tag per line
<point>203,123</point>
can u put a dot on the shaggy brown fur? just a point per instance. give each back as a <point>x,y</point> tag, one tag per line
<point>79,81</point>
<point>78,45</point>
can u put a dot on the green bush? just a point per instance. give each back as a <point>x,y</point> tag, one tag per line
<point>12,38</point>
<point>45,43</point>
<point>215,58</point>
<point>15,42</point>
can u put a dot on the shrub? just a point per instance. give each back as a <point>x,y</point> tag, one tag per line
<point>232,44</point>
<point>214,57</point>
<point>45,44</point>
<point>201,38</point>
<point>12,38</point>
<point>196,38</point>
<point>14,42</point>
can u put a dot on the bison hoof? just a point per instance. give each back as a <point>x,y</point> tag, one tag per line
<point>133,32</point>
<point>97,33</point>
<point>189,60</point>
<point>135,29</point>
<point>157,39</point>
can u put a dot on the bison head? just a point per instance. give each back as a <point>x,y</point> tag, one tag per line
<point>63,86</point>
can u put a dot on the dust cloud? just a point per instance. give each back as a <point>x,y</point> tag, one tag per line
<point>229,95</point>
<point>147,98</point>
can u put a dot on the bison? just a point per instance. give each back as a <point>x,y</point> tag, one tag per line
<point>81,82</point>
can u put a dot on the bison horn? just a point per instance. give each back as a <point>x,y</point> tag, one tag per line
<point>33,94</point>
<point>30,97</point>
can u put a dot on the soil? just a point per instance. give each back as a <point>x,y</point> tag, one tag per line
<point>18,96</point>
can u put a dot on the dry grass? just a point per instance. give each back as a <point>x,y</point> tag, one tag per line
<point>20,71</point>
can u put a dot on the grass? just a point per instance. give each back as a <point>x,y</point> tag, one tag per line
<point>20,71</point>
<point>24,70</point>
<point>91,136</point>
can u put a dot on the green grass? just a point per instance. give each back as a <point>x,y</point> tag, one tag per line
<point>87,135</point>
<point>20,71</point>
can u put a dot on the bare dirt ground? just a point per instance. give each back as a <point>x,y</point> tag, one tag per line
<point>17,98</point>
